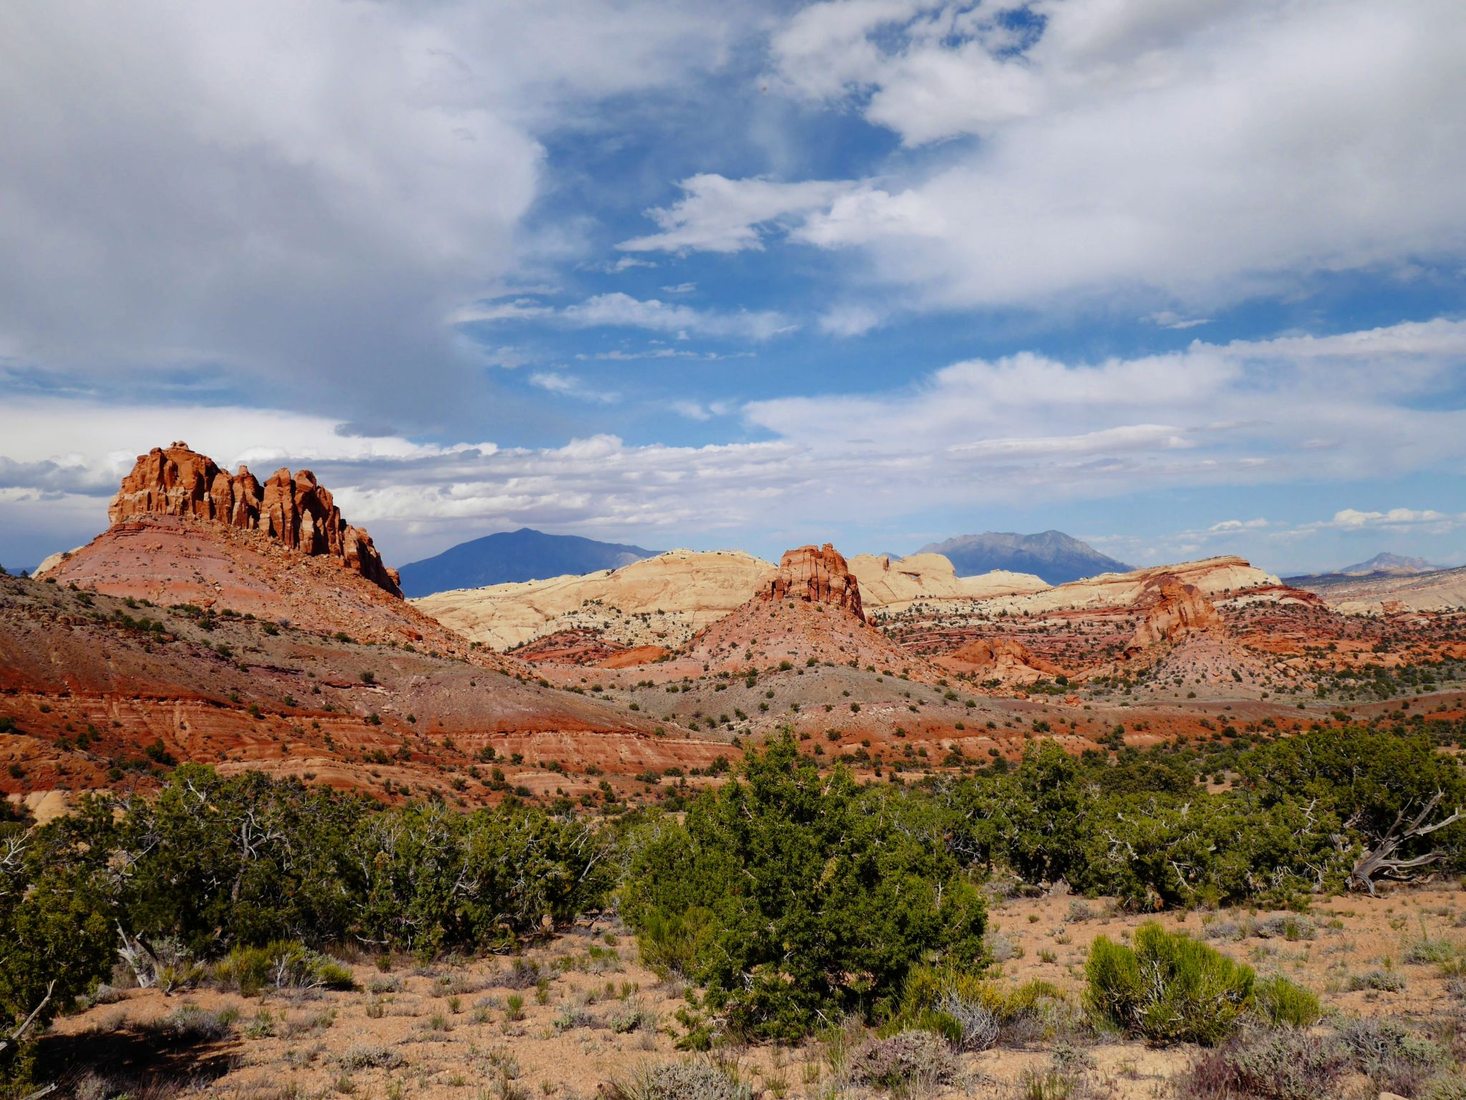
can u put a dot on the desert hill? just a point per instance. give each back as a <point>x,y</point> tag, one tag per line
<point>1212,577</point>
<point>1395,564</point>
<point>1051,555</point>
<point>97,691</point>
<point>514,556</point>
<point>186,532</point>
<point>662,600</point>
<point>890,584</point>
<point>666,599</point>
<point>1439,590</point>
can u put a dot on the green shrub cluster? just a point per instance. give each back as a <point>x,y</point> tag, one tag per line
<point>261,874</point>
<point>794,896</point>
<point>1168,987</point>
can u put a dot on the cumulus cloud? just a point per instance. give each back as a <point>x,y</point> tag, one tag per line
<point>1025,430</point>
<point>295,195</point>
<point>1395,517</point>
<point>1194,153</point>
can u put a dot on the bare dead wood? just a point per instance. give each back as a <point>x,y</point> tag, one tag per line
<point>16,1035</point>
<point>1381,861</point>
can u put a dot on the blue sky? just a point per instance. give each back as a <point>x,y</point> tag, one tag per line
<point>1180,279</point>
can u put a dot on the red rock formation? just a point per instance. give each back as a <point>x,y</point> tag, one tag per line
<point>1000,658</point>
<point>1172,609</point>
<point>296,510</point>
<point>817,574</point>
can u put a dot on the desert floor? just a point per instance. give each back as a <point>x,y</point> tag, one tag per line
<point>574,1015</point>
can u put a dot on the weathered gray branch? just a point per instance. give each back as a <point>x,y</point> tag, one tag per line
<point>1381,860</point>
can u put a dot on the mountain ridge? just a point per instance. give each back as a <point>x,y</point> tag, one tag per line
<point>1051,555</point>
<point>509,557</point>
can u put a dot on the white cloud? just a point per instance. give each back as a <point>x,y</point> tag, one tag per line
<point>850,319</point>
<point>295,195</point>
<point>1186,154</point>
<point>1026,430</point>
<point>567,385</point>
<point>618,310</point>
<point>1395,517</point>
<point>701,410</point>
<point>716,214</point>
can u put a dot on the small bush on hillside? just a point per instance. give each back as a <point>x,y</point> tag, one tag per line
<point>284,964</point>
<point>911,1061</point>
<point>1395,1058</point>
<point>1285,1004</point>
<point>1168,988</point>
<point>973,1013</point>
<point>1268,1065</point>
<point>679,1081</point>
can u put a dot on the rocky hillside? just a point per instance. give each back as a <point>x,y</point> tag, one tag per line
<point>293,509</point>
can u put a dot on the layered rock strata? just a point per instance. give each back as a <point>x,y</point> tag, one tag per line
<point>293,509</point>
<point>816,574</point>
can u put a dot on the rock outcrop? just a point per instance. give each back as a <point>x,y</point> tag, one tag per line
<point>1003,659</point>
<point>662,601</point>
<point>816,574</point>
<point>1172,609</point>
<point>894,584</point>
<point>293,509</point>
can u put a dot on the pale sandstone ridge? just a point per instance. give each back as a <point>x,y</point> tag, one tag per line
<point>662,600</point>
<point>294,510</point>
<point>1436,591</point>
<point>816,574</point>
<point>666,599</point>
<point>1214,578</point>
<point>1173,609</point>
<point>888,584</point>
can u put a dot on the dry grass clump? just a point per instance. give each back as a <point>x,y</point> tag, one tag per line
<point>911,1061</point>
<point>697,1080</point>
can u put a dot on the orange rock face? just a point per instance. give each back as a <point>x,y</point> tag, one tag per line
<point>295,511</point>
<point>816,574</point>
<point>1172,609</point>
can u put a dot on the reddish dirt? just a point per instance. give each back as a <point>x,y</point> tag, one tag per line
<point>96,690</point>
<point>183,560</point>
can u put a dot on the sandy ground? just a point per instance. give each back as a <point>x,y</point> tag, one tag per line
<point>578,1012</point>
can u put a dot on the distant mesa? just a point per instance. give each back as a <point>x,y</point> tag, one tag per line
<point>1055,557</point>
<point>816,574</point>
<point>294,510</point>
<point>514,556</point>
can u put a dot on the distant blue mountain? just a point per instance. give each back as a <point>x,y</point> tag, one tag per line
<point>523,555</point>
<point>1052,555</point>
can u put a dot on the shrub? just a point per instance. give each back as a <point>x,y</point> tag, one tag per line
<point>284,964</point>
<point>1380,980</point>
<point>1285,1004</point>
<point>794,896</point>
<point>1395,1058</point>
<point>190,1024</point>
<point>1268,1065</point>
<point>909,1060</point>
<point>680,1081</point>
<point>971,1012</point>
<point>1168,988</point>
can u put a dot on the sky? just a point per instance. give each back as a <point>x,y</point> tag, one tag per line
<point>1178,277</point>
